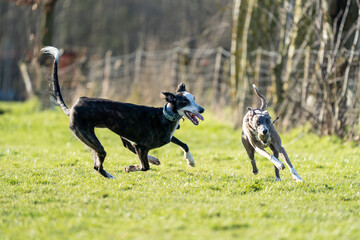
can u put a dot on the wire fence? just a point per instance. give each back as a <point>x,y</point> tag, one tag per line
<point>141,76</point>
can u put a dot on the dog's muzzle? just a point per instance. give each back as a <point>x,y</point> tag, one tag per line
<point>263,134</point>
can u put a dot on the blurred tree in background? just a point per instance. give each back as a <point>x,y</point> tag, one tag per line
<point>98,26</point>
<point>287,27</point>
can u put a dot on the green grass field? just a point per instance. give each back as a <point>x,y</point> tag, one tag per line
<point>49,189</point>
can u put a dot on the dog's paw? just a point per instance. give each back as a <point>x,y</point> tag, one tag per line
<point>295,175</point>
<point>277,179</point>
<point>128,169</point>
<point>255,172</point>
<point>107,175</point>
<point>103,172</point>
<point>281,167</point>
<point>298,180</point>
<point>278,164</point>
<point>153,160</point>
<point>132,168</point>
<point>190,160</point>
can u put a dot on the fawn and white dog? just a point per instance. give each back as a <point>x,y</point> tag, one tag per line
<point>258,133</point>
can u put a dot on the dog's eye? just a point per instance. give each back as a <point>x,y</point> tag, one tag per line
<point>184,101</point>
<point>258,123</point>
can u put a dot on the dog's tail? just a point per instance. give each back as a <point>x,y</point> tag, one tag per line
<point>262,98</point>
<point>54,81</point>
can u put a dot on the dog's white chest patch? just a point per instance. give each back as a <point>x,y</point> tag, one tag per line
<point>267,143</point>
<point>173,131</point>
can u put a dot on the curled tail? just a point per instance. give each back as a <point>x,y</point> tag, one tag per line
<point>54,81</point>
<point>262,98</point>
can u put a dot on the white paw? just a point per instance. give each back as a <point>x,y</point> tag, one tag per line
<point>279,165</point>
<point>189,158</point>
<point>108,175</point>
<point>295,175</point>
<point>153,160</point>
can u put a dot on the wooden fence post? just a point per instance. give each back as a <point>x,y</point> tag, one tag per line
<point>183,65</point>
<point>174,67</point>
<point>225,83</point>
<point>107,73</point>
<point>25,75</point>
<point>257,73</point>
<point>216,79</point>
<point>305,83</point>
<point>138,62</point>
<point>135,92</point>
<point>127,77</point>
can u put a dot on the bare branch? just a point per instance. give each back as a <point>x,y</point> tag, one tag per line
<point>338,40</point>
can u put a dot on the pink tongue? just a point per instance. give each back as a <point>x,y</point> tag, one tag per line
<point>200,117</point>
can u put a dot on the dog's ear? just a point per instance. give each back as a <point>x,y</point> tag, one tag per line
<point>252,113</point>
<point>251,110</point>
<point>275,120</point>
<point>169,97</point>
<point>181,88</point>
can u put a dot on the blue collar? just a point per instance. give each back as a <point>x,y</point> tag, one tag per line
<point>170,115</point>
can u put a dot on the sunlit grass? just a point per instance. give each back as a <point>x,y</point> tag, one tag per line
<point>49,189</point>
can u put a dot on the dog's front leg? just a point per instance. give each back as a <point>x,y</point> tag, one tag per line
<point>276,154</point>
<point>142,153</point>
<point>189,158</point>
<point>250,150</point>
<point>272,158</point>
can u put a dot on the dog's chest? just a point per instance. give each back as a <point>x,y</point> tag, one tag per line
<point>173,130</point>
<point>266,143</point>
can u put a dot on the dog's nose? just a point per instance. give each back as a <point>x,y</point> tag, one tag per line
<point>265,131</point>
<point>201,110</point>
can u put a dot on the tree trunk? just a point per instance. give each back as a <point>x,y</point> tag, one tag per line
<point>234,65</point>
<point>239,82</point>
<point>286,35</point>
<point>244,83</point>
<point>47,22</point>
<point>340,105</point>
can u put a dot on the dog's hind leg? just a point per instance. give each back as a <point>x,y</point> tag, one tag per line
<point>250,152</point>
<point>88,137</point>
<point>189,158</point>
<point>276,154</point>
<point>128,145</point>
<point>142,153</point>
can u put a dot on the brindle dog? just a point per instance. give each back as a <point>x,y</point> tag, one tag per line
<point>258,133</point>
<point>140,128</point>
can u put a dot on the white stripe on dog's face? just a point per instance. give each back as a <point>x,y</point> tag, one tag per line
<point>192,106</point>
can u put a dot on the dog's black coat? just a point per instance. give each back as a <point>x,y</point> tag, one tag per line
<point>123,119</point>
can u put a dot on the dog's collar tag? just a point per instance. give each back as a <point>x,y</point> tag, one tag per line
<point>170,115</point>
